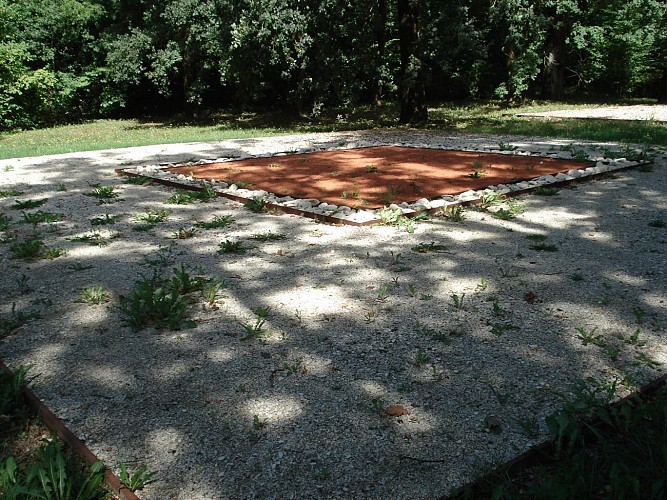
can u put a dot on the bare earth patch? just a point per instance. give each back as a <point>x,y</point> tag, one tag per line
<point>378,176</point>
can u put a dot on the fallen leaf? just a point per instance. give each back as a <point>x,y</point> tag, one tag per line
<point>396,411</point>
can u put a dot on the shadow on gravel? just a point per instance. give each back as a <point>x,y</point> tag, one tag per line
<point>384,366</point>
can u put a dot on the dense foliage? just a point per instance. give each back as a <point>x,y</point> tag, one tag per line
<point>65,60</point>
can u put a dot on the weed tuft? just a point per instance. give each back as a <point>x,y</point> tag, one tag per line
<point>217,222</point>
<point>93,295</point>
<point>136,480</point>
<point>28,204</point>
<point>228,246</point>
<point>156,302</point>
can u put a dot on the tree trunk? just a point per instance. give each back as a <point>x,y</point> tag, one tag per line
<point>411,75</point>
<point>554,70</point>
<point>381,37</point>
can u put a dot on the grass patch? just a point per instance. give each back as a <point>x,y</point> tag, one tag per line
<point>486,118</point>
<point>106,134</point>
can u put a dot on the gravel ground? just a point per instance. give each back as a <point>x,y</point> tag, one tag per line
<point>637,112</point>
<point>382,371</point>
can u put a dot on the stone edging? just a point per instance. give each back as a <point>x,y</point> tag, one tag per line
<point>342,214</point>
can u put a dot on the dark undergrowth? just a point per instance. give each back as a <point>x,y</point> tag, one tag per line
<point>598,451</point>
<point>34,463</point>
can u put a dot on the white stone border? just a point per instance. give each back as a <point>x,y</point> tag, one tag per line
<point>359,216</point>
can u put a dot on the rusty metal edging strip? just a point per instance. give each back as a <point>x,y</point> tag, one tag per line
<point>241,199</point>
<point>74,443</point>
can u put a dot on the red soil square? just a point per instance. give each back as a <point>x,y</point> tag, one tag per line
<point>373,177</point>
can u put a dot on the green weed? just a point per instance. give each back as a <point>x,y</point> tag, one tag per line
<point>93,295</point>
<point>259,423</point>
<point>507,146</point>
<point>163,257</point>
<point>394,217</point>
<point>453,213</point>
<point>4,222</point>
<point>530,427</point>
<point>478,170</point>
<point>257,204</point>
<point>295,368</point>
<point>210,290</point>
<point>390,195</point>
<point>105,220</point>
<point>544,247</point>
<point>431,247</point>
<point>421,358</point>
<point>15,320</point>
<point>589,337</point>
<point>499,329</point>
<point>183,233</point>
<point>9,194</point>
<point>23,286</point>
<point>153,216</point>
<point>268,236</point>
<point>254,330</point>
<point>12,397</point>
<point>104,194</point>
<point>54,475</point>
<point>93,239</point>
<point>39,217</point>
<point>155,302</point>
<point>182,198</point>
<point>457,300</point>
<point>546,191</point>
<point>634,339</point>
<point>377,405</point>
<point>28,204</point>
<point>139,180</point>
<point>54,252</point>
<point>228,246</point>
<point>31,248</point>
<point>136,480</point>
<point>217,222</point>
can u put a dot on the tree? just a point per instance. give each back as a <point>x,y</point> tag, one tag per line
<point>411,74</point>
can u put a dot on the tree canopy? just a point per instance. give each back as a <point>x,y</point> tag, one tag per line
<point>67,60</point>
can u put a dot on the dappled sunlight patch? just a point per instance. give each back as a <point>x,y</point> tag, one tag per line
<point>371,388</point>
<point>274,409</point>
<point>109,376</point>
<point>172,371</point>
<point>220,355</point>
<point>620,276</point>
<point>163,442</point>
